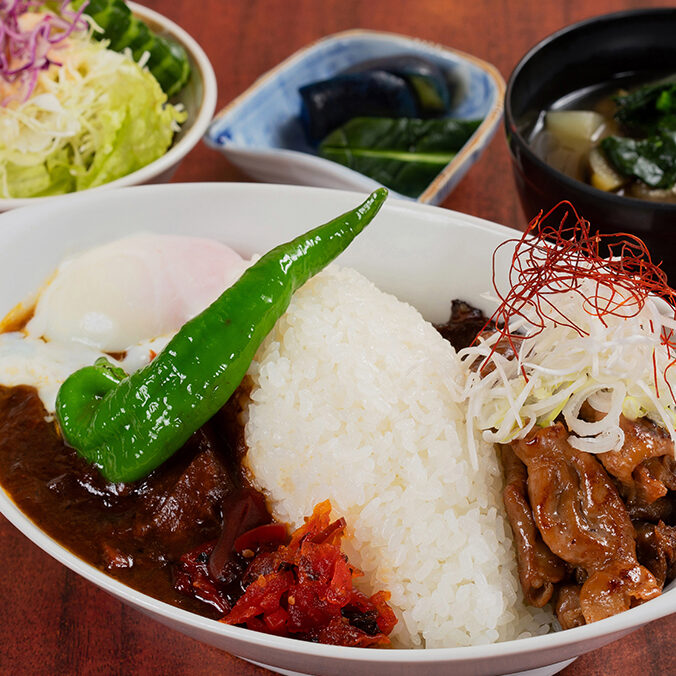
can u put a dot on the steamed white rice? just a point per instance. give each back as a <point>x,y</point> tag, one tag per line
<point>353,399</point>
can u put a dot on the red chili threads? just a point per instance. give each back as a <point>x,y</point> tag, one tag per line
<point>557,255</point>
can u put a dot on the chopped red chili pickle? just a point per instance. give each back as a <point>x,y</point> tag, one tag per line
<point>192,578</point>
<point>304,589</point>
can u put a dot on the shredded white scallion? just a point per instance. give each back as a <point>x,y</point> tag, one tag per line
<point>618,365</point>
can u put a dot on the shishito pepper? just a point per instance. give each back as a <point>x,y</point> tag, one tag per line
<point>128,425</point>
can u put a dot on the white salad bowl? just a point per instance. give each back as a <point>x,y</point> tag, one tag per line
<point>424,255</point>
<point>198,98</point>
<point>261,132</point>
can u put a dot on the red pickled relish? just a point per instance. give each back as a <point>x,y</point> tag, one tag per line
<point>305,590</point>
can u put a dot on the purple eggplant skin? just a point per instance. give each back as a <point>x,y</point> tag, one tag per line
<point>329,104</point>
<point>435,88</point>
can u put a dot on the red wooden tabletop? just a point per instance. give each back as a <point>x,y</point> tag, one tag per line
<point>56,623</point>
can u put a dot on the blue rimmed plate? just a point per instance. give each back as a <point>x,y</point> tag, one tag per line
<point>261,133</point>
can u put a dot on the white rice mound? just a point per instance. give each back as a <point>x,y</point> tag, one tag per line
<point>353,399</point>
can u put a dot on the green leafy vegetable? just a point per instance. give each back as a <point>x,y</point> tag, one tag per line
<point>167,60</point>
<point>404,154</point>
<point>641,111</point>
<point>650,113</point>
<point>652,160</point>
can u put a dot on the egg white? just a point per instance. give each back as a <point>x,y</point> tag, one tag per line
<point>128,297</point>
<point>133,289</point>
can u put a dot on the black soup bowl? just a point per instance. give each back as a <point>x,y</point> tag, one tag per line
<point>580,56</point>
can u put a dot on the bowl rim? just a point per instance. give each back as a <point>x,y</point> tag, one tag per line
<point>481,136</point>
<point>624,622</point>
<point>180,149</point>
<point>524,147</point>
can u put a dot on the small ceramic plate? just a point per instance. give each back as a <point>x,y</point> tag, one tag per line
<point>260,131</point>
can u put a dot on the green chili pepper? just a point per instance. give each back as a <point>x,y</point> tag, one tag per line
<point>128,425</point>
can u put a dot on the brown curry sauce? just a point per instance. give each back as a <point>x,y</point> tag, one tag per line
<point>133,532</point>
<point>162,534</point>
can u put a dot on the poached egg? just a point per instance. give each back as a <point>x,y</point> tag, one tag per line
<point>127,297</point>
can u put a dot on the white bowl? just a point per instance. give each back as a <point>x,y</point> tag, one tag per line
<point>198,97</point>
<point>424,255</point>
<point>260,131</point>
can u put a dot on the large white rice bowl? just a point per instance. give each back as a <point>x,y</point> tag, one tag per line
<point>353,398</point>
<point>424,255</point>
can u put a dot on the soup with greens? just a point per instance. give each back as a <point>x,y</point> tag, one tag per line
<point>618,137</point>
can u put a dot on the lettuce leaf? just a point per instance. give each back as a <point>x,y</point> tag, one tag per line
<point>102,118</point>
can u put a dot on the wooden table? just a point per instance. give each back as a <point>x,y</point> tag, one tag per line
<point>56,623</point>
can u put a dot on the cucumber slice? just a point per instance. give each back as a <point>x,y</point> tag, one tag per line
<point>168,61</point>
<point>137,33</point>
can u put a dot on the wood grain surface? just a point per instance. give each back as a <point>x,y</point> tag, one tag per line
<point>53,622</point>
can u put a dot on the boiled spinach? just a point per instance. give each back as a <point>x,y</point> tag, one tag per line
<point>404,154</point>
<point>648,153</point>
<point>652,160</point>
<point>641,111</point>
<point>650,114</point>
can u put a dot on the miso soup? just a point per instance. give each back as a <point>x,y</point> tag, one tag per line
<point>617,136</point>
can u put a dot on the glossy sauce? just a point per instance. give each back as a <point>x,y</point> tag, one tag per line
<point>133,532</point>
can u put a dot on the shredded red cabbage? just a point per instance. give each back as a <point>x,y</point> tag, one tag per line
<point>23,54</point>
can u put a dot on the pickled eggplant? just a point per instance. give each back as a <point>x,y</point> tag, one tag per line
<point>331,103</point>
<point>397,86</point>
<point>434,89</point>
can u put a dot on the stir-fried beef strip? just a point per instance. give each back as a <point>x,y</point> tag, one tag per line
<point>663,509</point>
<point>643,439</point>
<point>568,609</point>
<point>656,549</point>
<point>644,442</point>
<point>592,534</point>
<point>583,520</point>
<point>661,469</point>
<point>646,488</point>
<point>539,568</point>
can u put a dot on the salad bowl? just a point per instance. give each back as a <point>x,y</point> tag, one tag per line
<point>422,254</point>
<point>198,98</point>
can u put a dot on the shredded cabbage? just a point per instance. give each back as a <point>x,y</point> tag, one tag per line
<point>619,365</point>
<point>96,117</point>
